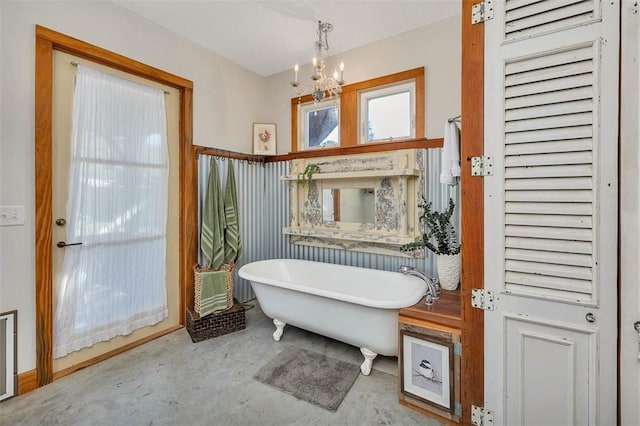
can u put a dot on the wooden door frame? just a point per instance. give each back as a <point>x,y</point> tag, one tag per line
<point>472,212</point>
<point>46,42</point>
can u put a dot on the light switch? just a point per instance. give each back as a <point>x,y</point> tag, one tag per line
<point>11,215</point>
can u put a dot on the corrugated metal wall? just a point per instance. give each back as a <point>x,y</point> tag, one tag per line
<point>263,201</point>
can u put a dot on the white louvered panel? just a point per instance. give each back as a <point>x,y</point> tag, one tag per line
<point>550,270</point>
<point>512,4</point>
<point>560,221</point>
<point>560,246</point>
<point>551,85</point>
<point>570,234</point>
<point>578,132</point>
<point>549,183</point>
<point>551,59</point>
<point>550,196</point>
<point>549,110</point>
<point>579,209</point>
<point>551,293</point>
<point>551,122</point>
<point>549,98</point>
<point>528,19</point>
<point>548,147</point>
<point>549,159</point>
<point>584,66</point>
<point>536,7</point>
<point>548,168</point>
<point>549,171</point>
<point>549,257</point>
<point>547,282</point>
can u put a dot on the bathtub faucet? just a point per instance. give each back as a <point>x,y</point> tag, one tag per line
<point>433,290</point>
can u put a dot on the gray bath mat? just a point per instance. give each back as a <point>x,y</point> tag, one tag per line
<point>310,376</point>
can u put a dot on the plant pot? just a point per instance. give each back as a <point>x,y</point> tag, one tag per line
<point>448,270</point>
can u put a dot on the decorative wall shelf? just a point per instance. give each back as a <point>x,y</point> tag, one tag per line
<point>364,202</point>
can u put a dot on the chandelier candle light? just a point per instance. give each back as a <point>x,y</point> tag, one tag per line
<point>322,86</point>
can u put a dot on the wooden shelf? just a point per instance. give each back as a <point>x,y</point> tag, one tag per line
<point>355,175</point>
<point>349,235</point>
<point>444,311</point>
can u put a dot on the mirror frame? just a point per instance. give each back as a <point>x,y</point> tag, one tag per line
<point>398,181</point>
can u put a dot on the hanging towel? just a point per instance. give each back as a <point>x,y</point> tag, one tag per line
<point>212,234</point>
<point>213,292</point>
<point>450,155</point>
<point>232,242</point>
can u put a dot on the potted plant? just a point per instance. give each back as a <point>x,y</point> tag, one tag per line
<point>441,239</point>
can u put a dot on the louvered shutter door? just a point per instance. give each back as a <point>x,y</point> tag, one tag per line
<point>528,18</point>
<point>549,173</point>
<point>551,211</point>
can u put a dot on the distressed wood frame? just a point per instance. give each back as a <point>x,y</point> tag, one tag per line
<point>46,42</point>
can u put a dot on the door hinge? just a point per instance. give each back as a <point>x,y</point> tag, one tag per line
<point>481,12</point>
<point>482,166</point>
<point>482,299</point>
<point>457,348</point>
<point>480,416</point>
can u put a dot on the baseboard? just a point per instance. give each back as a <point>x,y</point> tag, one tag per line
<point>58,374</point>
<point>27,381</point>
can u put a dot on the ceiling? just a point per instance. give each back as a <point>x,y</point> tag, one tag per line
<point>271,36</point>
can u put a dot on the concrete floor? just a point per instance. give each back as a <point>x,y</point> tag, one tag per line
<point>172,381</point>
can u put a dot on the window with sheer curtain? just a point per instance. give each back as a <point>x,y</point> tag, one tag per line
<point>114,282</point>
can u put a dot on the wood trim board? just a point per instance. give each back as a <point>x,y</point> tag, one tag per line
<point>472,216</point>
<point>27,381</point>
<point>46,42</point>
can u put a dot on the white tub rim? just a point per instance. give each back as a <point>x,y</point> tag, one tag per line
<point>414,296</point>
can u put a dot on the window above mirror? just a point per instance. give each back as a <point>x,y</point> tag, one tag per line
<point>387,113</point>
<point>319,125</point>
<point>383,109</point>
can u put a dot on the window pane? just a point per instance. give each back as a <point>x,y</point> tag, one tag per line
<point>389,117</point>
<point>322,127</point>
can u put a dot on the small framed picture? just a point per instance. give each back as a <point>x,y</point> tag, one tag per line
<point>264,138</point>
<point>427,370</point>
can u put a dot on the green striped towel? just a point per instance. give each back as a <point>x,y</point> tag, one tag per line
<point>213,292</point>
<point>232,242</point>
<point>212,228</point>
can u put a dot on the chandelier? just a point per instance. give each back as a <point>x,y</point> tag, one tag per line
<point>321,86</point>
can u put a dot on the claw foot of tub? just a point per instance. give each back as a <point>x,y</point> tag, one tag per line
<point>279,329</point>
<point>369,356</point>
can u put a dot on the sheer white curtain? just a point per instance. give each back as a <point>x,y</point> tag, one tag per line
<point>114,282</point>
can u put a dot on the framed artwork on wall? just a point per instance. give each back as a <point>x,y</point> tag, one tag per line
<point>427,371</point>
<point>264,138</point>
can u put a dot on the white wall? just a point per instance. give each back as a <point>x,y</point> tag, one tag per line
<point>436,46</point>
<point>227,99</point>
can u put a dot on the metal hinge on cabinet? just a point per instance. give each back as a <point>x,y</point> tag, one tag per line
<point>482,166</point>
<point>482,299</point>
<point>482,11</point>
<point>481,416</point>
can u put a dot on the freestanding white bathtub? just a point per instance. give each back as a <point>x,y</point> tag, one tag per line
<point>358,306</point>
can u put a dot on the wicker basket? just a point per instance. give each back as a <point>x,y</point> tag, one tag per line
<point>227,268</point>
<point>216,324</point>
